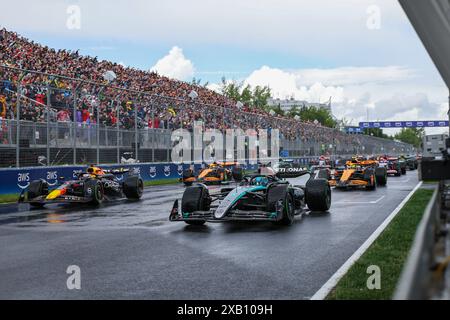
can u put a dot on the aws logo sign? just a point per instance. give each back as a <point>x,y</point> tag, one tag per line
<point>23,180</point>
<point>167,171</point>
<point>152,172</point>
<point>52,178</point>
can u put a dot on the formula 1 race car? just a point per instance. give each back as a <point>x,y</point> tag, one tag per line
<point>257,198</point>
<point>322,161</point>
<point>357,173</point>
<point>215,173</point>
<point>394,166</point>
<point>411,162</point>
<point>92,186</point>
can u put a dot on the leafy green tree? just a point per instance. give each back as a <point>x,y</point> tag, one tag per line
<point>260,96</point>
<point>236,91</point>
<point>376,132</point>
<point>246,95</point>
<point>294,111</point>
<point>278,110</point>
<point>322,115</point>
<point>411,135</point>
<point>231,90</point>
<point>198,82</point>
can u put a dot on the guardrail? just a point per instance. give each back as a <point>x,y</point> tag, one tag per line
<point>14,180</point>
<point>418,280</point>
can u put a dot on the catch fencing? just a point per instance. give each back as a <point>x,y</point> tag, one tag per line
<point>50,120</point>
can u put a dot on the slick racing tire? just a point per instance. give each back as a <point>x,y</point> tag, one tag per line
<point>133,187</point>
<point>195,198</point>
<point>36,189</point>
<point>94,190</point>
<point>274,195</point>
<point>288,211</point>
<point>403,170</point>
<point>186,175</point>
<point>318,195</point>
<point>368,173</point>
<point>381,176</point>
<point>238,174</point>
<point>323,174</point>
<point>372,186</point>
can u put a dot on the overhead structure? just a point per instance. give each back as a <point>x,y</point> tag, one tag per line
<point>404,124</point>
<point>431,20</point>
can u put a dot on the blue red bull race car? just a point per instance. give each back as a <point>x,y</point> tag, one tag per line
<point>93,186</point>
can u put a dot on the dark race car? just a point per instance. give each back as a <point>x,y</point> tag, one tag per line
<point>411,162</point>
<point>93,186</point>
<point>258,198</point>
<point>395,167</point>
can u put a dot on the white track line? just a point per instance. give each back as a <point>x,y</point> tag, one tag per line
<point>332,282</point>
<point>398,181</point>
<point>361,202</point>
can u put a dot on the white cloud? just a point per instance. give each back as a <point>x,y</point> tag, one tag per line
<point>353,75</point>
<point>214,87</point>
<point>382,93</point>
<point>319,84</point>
<point>175,65</point>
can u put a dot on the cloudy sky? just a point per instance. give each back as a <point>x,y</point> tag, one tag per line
<point>362,53</point>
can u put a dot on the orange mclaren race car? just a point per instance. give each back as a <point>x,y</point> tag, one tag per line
<point>93,186</point>
<point>359,173</point>
<point>215,173</point>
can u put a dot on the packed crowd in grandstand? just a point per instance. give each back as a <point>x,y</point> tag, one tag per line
<point>60,78</point>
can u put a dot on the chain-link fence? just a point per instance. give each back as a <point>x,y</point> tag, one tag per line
<point>52,120</point>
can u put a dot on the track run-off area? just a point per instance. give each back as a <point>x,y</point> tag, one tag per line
<point>130,250</point>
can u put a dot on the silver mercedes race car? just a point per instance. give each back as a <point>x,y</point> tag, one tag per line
<point>258,197</point>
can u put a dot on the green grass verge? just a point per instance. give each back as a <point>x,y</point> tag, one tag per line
<point>8,198</point>
<point>161,182</point>
<point>389,252</point>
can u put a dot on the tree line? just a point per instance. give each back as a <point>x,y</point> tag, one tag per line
<point>258,97</point>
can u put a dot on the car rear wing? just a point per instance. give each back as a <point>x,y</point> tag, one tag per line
<point>284,173</point>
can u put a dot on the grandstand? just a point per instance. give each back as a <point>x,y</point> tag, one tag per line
<point>57,108</point>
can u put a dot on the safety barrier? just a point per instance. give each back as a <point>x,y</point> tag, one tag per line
<point>426,274</point>
<point>15,180</point>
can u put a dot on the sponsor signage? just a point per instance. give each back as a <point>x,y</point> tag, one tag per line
<point>403,124</point>
<point>354,130</point>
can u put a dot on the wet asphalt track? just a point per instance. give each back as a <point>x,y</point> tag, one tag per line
<point>130,250</point>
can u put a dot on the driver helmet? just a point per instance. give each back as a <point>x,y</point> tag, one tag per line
<point>261,181</point>
<point>95,171</point>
